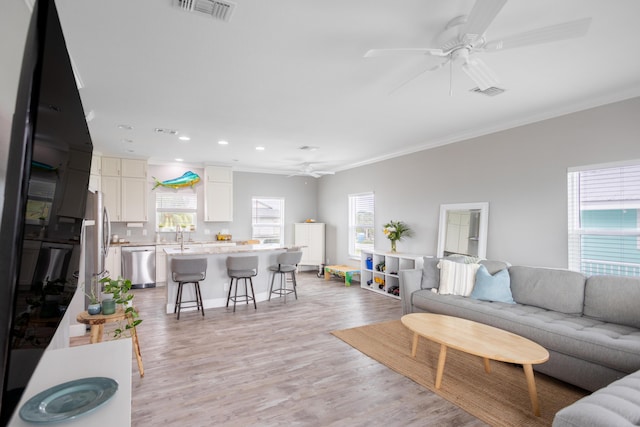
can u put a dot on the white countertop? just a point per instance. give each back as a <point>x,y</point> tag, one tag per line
<point>221,249</point>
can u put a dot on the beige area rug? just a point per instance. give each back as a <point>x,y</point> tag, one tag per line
<point>499,398</point>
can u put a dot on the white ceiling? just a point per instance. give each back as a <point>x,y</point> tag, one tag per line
<point>289,73</point>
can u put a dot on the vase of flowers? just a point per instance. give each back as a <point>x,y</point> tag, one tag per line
<point>396,230</point>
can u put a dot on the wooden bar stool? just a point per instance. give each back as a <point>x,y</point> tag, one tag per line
<point>287,263</point>
<point>188,270</point>
<point>97,321</point>
<point>242,267</point>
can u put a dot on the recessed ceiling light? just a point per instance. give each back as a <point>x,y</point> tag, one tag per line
<point>179,160</point>
<point>125,127</point>
<point>184,138</point>
<point>165,130</point>
<point>223,142</point>
<point>260,148</point>
<point>127,141</point>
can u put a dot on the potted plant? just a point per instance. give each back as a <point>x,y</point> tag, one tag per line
<point>94,306</point>
<point>120,288</point>
<point>396,230</point>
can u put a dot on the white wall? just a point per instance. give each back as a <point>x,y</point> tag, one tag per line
<point>521,172</point>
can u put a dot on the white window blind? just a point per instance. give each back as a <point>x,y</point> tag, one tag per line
<point>361,223</point>
<point>267,215</point>
<point>176,209</point>
<point>604,220</point>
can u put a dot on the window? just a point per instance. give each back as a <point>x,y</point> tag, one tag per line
<point>604,220</point>
<point>173,209</point>
<point>361,226</point>
<point>267,219</point>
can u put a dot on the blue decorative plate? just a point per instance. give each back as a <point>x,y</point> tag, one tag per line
<point>68,400</point>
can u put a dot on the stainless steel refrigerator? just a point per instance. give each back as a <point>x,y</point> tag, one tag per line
<point>97,241</point>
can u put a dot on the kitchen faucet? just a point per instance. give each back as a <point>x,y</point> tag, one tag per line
<point>180,236</point>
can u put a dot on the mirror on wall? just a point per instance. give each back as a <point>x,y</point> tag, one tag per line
<point>463,229</point>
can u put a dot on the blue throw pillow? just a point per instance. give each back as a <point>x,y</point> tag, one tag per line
<point>492,288</point>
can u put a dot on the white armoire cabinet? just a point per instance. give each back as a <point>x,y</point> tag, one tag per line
<point>311,236</point>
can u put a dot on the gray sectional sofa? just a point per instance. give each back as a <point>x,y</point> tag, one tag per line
<point>589,325</point>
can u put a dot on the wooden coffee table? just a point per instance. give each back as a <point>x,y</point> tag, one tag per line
<point>478,339</point>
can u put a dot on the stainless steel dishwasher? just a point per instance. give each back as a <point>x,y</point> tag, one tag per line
<point>139,266</point>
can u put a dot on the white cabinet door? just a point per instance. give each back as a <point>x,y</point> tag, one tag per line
<point>133,168</point>
<point>219,201</point>
<point>96,164</point>
<point>134,199</point>
<point>111,189</point>
<point>113,263</point>
<point>312,237</point>
<point>219,174</point>
<point>110,166</point>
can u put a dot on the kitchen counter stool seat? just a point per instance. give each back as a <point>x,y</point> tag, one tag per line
<point>242,267</point>
<point>184,271</point>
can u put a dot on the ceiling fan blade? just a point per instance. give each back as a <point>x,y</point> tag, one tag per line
<point>566,30</point>
<point>420,74</point>
<point>480,73</point>
<point>479,19</point>
<point>404,51</point>
<point>325,172</point>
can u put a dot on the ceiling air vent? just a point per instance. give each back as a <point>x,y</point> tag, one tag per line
<point>492,91</point>
<point>219,9</point>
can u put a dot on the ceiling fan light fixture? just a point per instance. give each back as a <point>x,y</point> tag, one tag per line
<point>482,75</point>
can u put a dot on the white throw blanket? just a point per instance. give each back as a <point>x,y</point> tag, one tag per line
<point>457,278</point>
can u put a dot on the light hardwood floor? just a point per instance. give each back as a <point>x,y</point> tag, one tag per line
<point>278,365</point>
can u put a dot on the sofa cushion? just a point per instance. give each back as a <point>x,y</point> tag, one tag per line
<point>430,273</point>
<point>613,299</point>
<point>552,289</point>
<point>457,278</point>
<point>618,404</point>
<point>494,266</point>
<point>494,287</point>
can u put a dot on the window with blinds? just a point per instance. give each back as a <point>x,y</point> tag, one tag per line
<point>176,209</point>
<point>604,219</point>
<point>267,219</point>
<point>361,224</point>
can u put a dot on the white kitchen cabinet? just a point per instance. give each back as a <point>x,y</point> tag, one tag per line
<point>133,168</point>
<point>113,262</point>
<point>218,194</point>
<point>311,236</point>
<point>110,166</point>
<point>125,188</point>
<point>161,263</point>
<point>112,198</point>
<point>134,199</point>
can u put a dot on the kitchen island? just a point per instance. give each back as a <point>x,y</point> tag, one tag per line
<point>215,287</point>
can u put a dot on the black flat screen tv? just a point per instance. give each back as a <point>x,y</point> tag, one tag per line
<point>49,159</point>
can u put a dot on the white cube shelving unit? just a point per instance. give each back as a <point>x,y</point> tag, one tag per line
<point>381,275</point>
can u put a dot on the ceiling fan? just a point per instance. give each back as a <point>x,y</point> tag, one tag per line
<point>464,37</point>
<point>307,170</point>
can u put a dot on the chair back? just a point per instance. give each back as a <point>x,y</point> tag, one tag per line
<point>188,269</point>
<point>242,263</point>
<point>290,258</point>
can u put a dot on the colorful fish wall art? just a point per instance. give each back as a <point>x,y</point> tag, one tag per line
<point>189,179</point>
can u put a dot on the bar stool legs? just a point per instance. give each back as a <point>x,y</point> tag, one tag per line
<point>246,297</point>
<point>178,305</point>
<point>241,267</point>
